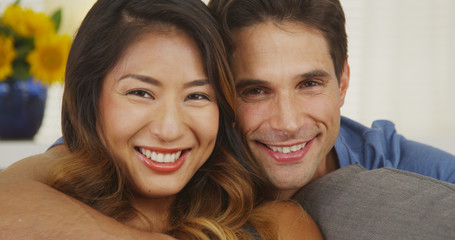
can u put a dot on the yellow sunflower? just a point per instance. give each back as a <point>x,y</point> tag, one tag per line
<point>7,55</point>
<point>26,22</point>
<point>48,59</point>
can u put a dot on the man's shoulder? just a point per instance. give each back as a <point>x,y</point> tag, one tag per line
<point>353,130</point>
<point>381,146</point>
<point>381,131</point>
<point>380,139</point>
<point>367,146</point>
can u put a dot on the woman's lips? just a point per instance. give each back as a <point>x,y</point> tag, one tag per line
<point>163,161</point>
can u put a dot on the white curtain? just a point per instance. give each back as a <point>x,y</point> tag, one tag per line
<point>402,61</point>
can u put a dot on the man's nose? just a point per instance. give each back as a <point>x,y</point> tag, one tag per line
<point>287,115</point>
<point>167,123</point>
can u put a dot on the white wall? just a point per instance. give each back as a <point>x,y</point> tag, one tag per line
<point>401,55</point>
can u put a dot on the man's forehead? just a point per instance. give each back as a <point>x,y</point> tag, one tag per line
<point>270,51</point>
<point>250,33</point>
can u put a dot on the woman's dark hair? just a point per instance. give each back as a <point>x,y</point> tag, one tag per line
<point>222,193</point>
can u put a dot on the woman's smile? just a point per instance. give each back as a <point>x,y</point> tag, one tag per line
<point>161,160</point>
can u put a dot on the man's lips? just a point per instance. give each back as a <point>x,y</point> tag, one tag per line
<point>286,154</point>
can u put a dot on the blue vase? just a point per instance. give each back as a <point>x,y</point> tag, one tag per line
<point>22,105</point>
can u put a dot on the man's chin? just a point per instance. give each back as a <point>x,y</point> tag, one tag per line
<point>282,191</point>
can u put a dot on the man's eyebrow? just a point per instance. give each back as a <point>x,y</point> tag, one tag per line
<point>143,78</point>
<point>244,82</point>
<point>315,74</point>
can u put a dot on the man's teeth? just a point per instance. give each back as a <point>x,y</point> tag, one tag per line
<point>161,157</point>
<point>290,149</point>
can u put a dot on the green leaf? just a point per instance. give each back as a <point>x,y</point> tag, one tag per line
<point>57,18</point>
<point>23,47</point>
<point>21,70</point>
<point>6,30</point>
<point>23,51</point>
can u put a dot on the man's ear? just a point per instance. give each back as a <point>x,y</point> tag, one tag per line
<point>344,81</point>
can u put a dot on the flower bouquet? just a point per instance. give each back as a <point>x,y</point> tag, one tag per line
<point>32,57</point>
<point>30,45</point>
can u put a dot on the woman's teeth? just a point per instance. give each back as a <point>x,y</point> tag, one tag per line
<point>161,157</point>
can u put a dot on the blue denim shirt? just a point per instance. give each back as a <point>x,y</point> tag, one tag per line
<point>380,146</point>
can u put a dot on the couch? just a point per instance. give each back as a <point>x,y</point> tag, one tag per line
<point>354,203</point>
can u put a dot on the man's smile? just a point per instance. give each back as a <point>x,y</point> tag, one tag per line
<point>287,149</point>
<point>286,154</point>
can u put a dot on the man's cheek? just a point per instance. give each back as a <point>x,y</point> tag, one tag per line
<point>247,116</point>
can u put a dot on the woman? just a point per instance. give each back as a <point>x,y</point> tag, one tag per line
<point>147,117</point>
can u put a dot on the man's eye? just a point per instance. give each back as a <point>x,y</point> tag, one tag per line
<point>253,91</point>
<point>140,93</point>
<point>254,94</point>
<point>197,96</point>
<point>310,83</point>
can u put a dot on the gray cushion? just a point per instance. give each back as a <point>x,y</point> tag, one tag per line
<point>353,203</point>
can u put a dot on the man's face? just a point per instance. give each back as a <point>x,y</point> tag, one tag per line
<point>289,101</point>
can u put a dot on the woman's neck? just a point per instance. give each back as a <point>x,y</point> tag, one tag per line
<point>153,213</point>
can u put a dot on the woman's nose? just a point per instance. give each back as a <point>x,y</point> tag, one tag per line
<point>167,123</point>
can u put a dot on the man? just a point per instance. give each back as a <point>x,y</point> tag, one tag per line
<point>289,59</point>
<point>290,62</point>
<point>292,74</point>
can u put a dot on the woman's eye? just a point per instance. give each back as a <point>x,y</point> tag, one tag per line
<point>140,93</point>
<point>197,96</point>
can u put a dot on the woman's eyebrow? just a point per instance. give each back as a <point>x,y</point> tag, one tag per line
<point>143,78</point>
<point>195,83</point>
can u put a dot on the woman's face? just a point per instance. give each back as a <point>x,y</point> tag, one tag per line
<point>158,113</point>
